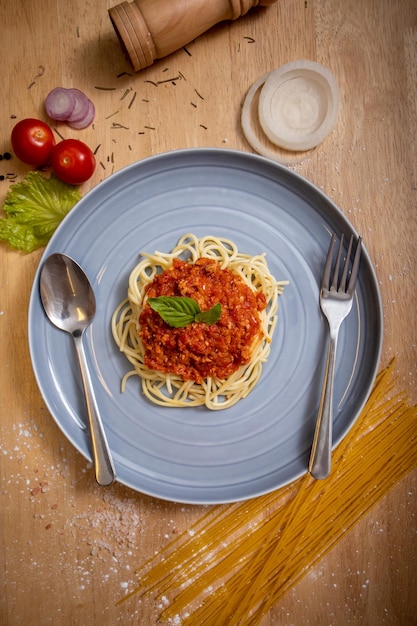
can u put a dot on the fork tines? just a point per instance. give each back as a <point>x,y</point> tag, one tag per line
<point>336,284</point>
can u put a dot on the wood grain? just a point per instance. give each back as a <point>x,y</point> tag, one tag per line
<point>68,549</point>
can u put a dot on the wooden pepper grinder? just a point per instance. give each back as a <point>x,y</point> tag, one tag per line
<point>152,29</point>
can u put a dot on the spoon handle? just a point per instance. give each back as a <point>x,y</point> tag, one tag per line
<point>103,464</point>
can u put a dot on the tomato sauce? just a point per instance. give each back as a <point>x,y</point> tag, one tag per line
<point>200,350</point>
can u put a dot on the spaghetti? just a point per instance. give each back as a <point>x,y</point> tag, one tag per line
<point>170,388</point>
<point>238,560</point>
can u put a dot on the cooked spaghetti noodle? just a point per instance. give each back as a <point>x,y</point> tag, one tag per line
<point>170,389</point>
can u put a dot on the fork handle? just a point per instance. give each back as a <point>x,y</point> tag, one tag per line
<point>321,450</point>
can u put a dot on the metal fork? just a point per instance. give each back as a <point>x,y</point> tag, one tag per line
<point>335,303</point>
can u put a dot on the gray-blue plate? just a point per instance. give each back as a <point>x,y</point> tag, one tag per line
<point>263,442</point>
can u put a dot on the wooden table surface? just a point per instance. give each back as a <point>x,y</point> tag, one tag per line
<point>68,549</point>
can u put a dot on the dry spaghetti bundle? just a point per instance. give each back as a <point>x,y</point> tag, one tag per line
<point>241,559</point>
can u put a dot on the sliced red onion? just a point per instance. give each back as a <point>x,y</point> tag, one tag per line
<point>71,106</point>
<point>86,120</point>
<point>60,103</point>
<point>81,108</point>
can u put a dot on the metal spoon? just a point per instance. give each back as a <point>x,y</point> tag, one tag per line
<point>70,304</point>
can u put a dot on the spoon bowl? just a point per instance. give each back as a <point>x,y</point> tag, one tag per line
<point>69,302</point>
<point>66,293</point>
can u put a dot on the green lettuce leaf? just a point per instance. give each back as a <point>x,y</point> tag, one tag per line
<point>34,208</point>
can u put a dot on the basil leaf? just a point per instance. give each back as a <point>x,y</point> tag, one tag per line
<point>176,311</point>
<point>179,311</point>
<point>211,316</point>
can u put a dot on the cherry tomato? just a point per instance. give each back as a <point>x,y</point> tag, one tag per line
<point>32,141</point>
<point>73,161</point>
